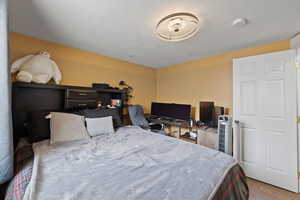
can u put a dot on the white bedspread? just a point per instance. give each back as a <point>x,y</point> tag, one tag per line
<point>132,164</point>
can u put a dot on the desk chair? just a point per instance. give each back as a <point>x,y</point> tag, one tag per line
<point>137,117</point>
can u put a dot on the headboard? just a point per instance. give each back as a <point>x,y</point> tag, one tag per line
<point>32,102</point>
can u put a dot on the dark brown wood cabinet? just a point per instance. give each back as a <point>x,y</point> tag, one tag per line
<point>29,99</point>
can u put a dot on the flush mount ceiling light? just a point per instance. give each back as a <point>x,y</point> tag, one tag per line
<point>178,27</point>
<point>240,22</point>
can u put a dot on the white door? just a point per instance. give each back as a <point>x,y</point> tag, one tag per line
<point>265,103</point>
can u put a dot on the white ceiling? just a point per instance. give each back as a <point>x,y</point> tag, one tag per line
<point>125,29</point>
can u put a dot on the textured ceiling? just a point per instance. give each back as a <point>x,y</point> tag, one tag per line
<point>125,29</point>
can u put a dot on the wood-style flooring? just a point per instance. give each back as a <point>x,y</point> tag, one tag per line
<point>263,191</point>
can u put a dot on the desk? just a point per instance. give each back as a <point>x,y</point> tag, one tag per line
<point>170,122</point>
<point>205,136</point>
<point>208,137</point>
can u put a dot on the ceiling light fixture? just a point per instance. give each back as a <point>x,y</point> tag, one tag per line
<point>240,22</point>
<point>178,27</point>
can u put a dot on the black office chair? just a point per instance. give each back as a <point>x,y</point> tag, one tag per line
<point>137,117</point>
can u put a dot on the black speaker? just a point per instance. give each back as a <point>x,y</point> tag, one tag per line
<point>217,111</point>
<point>101,85</point>
<point>206,112</point>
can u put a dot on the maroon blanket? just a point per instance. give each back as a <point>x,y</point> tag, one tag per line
<point>234,186</point>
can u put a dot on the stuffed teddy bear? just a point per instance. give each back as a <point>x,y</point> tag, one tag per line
<point>36,68</point>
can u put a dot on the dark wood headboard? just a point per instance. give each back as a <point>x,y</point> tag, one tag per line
<point>37,100</point>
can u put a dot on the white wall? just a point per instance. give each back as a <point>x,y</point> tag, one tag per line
<point>295,42</point>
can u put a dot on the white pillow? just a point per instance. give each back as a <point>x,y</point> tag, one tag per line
<point>99,126</point>
<point>67,127</point>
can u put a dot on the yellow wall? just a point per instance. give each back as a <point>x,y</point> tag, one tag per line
<point>81,68</point>
<point>208,79</point>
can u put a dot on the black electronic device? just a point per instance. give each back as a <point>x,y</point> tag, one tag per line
<point>171,110</point>
<point>206,113</point>
<point>217,111</point>
<point>101,85</point>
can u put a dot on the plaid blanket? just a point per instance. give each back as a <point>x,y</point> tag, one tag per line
<point>233,187</point>
<point>23,171</point>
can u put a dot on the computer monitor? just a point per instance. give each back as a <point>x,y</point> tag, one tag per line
<point>157,109</point>
<point>206,112</point>
<point>174,111</point>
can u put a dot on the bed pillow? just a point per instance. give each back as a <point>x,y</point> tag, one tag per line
<point>66,127</point>
<point>99,126</point>
<point>97,113</point>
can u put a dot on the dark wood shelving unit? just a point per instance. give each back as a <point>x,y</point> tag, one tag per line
<point>28,98</point>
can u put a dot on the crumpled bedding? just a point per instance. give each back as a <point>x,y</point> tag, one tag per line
<point>23,171</point>
<point>132,164</point>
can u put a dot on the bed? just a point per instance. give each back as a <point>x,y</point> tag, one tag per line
<point>130,164</point>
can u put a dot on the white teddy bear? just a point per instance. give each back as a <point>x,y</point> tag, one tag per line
<point>36,68</point>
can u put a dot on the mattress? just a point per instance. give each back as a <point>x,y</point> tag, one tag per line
<point>132,164</point>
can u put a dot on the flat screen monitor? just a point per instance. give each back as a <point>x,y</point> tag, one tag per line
<point>171,110</point>
<point>206,112</point>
